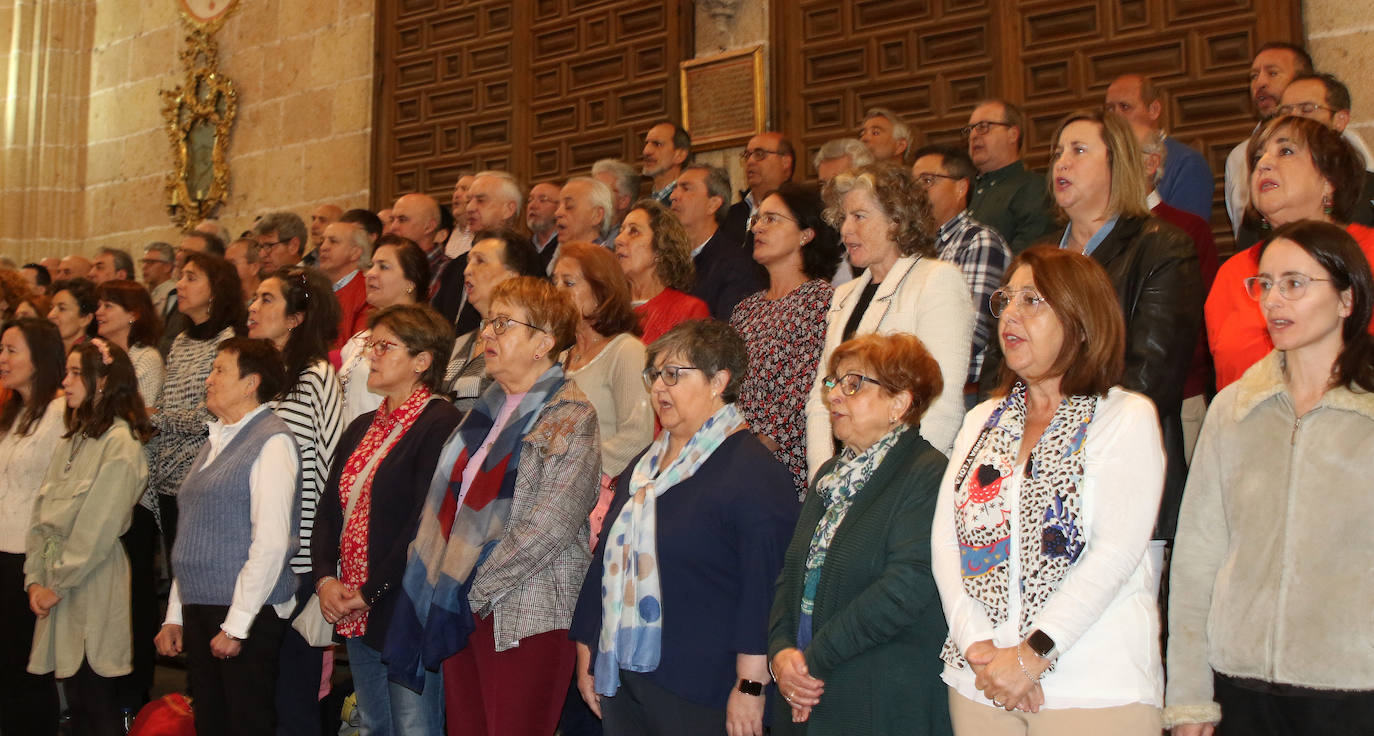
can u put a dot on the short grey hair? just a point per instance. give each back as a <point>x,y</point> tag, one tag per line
<point>510,188</point>
<point>710,345</point>
<point>899,127</point>
<point>626,177</point>
<point>854,148</point>
<point>286,225</point>
<point>1153,144</point>
<point>602,197</point>
<point>717,185</point>
<point>122,260</point>
<point>165,250</point>
<point>363,242</point>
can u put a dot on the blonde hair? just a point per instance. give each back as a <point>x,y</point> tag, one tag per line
<point>1124,162</point>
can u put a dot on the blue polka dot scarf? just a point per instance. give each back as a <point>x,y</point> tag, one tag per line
<point>631,598</point>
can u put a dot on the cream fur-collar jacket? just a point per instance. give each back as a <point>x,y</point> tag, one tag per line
<point>1270,576</point>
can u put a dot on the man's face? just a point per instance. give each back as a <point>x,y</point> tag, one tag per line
<point>192,244</point>
<point>72,267</point>
<point>156,269</point>
<point>998,146</point>
<point>237,254</point>
<point>578,219</point>
<point>660,155</point>
<point>487,205</point>
<point>410,218</point>
<point>765,168</point>
<point>102,269</point>
<point>947,196</point>
<point>460,196</point>
<point>1123,98</point>
<point>338,253</point>
<point>876,133</point>
<point>542,208</point>
<point>622,200</point>
<point>828,170</point>
<point>322,216</point>
<point>1270,74</point>
<point>275,253</point>
<point>1307,98</point>
<point>692,202</point>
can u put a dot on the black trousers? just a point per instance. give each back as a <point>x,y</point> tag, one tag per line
<point>28,703</point>
<point>1249,711</point>
<point>236,695</point>
<point>140,543</point>
<point>641,708</point>
<point>298,674</point>
<point>91,702</point>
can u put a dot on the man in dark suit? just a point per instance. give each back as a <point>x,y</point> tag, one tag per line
<point>726,273</point>
<point>769,160</point>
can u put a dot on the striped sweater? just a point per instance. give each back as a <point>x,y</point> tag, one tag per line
<point>313,410</point>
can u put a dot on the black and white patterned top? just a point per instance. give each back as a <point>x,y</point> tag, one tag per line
<point>314,412</point>
<point>181,416</point>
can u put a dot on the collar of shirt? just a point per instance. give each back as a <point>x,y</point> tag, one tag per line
<point>667,189</point>
<point>1095,240</point>
<point>1153,199</point>
<point>341,283</point>
<point>697,250</point>
<point>437,258</point>
<point>222,434</point>
<point>951,228</point>
<point>541,246</point>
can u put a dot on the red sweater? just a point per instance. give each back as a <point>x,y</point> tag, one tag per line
<point>353,309</point>
<point>663,312</point>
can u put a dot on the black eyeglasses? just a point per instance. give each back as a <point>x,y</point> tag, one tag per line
<point>849,383</point>
<point>669,374</point>
<point>500,323</point>
<point>982,127</point>
<point>925,180</point>
<point>757,154</point>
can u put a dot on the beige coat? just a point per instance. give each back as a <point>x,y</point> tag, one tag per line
<point>73,548</point>
<point>1269,574</point>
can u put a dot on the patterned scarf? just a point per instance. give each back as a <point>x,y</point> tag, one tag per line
<point>353,544</point>
<point>837,490</point>
<point>1049,512</point>
<point>432,618</point>
<point>631,635</point>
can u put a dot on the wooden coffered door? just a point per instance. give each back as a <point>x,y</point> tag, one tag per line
<point>932,60</point>
<point>540,88</point>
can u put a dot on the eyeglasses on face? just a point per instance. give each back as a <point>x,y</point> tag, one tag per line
<point>1292,286</point>
<point>379,348</point>
<point>669,374</point>
<point>849,383</point>
<point>926,180</point>
<point>271,245</point>
<point>1305,108</point>
<point>982,127</point>
<point>756,154</point>
<point>500,323</point>
<point>1026,300</point>
<point>768,219</point>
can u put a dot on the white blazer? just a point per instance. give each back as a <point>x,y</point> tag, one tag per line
<point>924,297</point>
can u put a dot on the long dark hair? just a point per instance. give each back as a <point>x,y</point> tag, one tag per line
<point>117,399</point>
<point>1336,251</point>
<point>306,292</point>
<point>46,353</point>
<point>226,293</point>
<point>134,299</point>
<point>820,255</point>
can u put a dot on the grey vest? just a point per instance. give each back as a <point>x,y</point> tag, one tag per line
<point>215,529</point>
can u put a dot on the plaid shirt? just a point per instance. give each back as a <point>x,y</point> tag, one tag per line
<point>982,255</point>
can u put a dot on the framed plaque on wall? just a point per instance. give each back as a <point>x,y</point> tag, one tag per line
<point>722,98</point>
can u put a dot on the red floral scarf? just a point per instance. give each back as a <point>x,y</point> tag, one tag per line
<point>353,544</point>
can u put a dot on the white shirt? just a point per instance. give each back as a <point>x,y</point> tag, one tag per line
<point>354,365</point>
<point>272,490</point>
<point>1104,617</point>
<point>1238,175</point>
<point>24,461</point>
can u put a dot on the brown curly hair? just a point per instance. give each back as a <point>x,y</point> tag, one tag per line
<point>901,198</point>
<point>13,290</point>
<point>672,254</point>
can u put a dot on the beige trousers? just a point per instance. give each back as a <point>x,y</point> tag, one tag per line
<point>976,719</point>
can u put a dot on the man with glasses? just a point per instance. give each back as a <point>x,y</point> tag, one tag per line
<point>281,240</point>
<point>947,175</point>
<point>1006,196</point>
<point>769,160</point>
<point>1186,181</point>
<point>725,273</point>
<point>540,216</point>
<point>159,260</point>
<point>1326,99</point>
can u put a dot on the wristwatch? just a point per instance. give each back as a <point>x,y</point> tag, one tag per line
<point>749,687</point>
<point>1042,645</point>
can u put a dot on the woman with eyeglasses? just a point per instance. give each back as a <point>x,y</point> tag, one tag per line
<point>672,622</point>
<point>1040,537</point>
<point>1268,632</point>
<point>654,254</point>
<point>783,326</point>
<point>886,226</point>
<point>502,548</point>
<point>496,255</point>
<point>370,507</point>
<point>856,625</point>
<point>1300,170</point>
<point>399,275</point>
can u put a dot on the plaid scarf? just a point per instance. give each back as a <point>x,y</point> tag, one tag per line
<point>432,618</point>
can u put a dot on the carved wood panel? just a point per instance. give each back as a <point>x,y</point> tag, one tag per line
<point>541,88</point>
<point>932,60</point>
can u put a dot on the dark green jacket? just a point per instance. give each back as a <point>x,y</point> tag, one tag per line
<point>1015,202</point>
<point>878,626</point>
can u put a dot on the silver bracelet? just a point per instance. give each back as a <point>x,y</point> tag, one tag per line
<point>1022,662</point>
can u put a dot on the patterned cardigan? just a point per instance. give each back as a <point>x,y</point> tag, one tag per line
<point>181,415</point>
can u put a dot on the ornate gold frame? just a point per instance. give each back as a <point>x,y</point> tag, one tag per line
<point>204,105</point>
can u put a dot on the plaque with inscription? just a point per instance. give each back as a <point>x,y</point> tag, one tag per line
<point>722,98</point>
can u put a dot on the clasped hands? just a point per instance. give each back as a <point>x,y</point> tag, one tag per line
<point>795,683</point>
<point>339,603</point>
<point>999,675</point>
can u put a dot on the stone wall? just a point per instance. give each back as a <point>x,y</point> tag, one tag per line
<point>1340,34</point>
<point>303,71</point>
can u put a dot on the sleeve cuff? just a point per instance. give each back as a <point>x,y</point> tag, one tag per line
<point>1182,715</point>
<point>237,623</point>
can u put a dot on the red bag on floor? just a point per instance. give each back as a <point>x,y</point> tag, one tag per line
<point>169,715</point>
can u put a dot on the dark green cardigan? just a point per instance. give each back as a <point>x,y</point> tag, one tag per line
<point>878,626</point>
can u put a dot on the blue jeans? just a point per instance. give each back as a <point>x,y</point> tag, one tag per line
<point>389,709</point>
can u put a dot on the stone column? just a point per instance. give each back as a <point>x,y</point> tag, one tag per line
<point>1339,36</point>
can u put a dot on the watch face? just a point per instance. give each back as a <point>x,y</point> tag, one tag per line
<point>1041,643</point>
